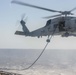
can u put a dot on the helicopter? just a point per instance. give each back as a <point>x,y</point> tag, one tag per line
<point>63,23</point>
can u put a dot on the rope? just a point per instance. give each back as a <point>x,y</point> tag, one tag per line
<point>37,57</point>
<point>41,52</point>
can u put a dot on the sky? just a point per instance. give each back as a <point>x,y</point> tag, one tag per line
<point>10,15</point>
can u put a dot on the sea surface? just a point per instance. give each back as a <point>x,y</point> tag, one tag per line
<point>52,62</point>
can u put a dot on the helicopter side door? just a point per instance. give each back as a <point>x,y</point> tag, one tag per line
<point>61,26</point>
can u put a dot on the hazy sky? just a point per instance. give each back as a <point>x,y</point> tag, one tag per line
<point>10,14</point>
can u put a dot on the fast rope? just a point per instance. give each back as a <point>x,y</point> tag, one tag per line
<point>41,52</point>
<point>38,56</point>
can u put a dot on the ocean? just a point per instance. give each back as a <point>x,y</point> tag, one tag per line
<point>52,62</point>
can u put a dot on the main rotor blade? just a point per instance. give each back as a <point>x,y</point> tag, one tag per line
<point>73,9</point>
<point>30,5</point>
<point>53,16</point>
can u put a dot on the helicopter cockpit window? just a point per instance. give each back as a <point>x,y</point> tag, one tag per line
<point>48,23</point>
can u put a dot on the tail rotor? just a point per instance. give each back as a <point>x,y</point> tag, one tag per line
<point>21,22</point>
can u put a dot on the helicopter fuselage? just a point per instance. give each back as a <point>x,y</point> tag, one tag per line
<point>65,26</point>
<point>62,24</point>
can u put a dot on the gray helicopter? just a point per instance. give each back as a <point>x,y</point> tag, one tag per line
<point>61,24</point>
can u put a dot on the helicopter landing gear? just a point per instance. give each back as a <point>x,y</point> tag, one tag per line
<point>65,34</point>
